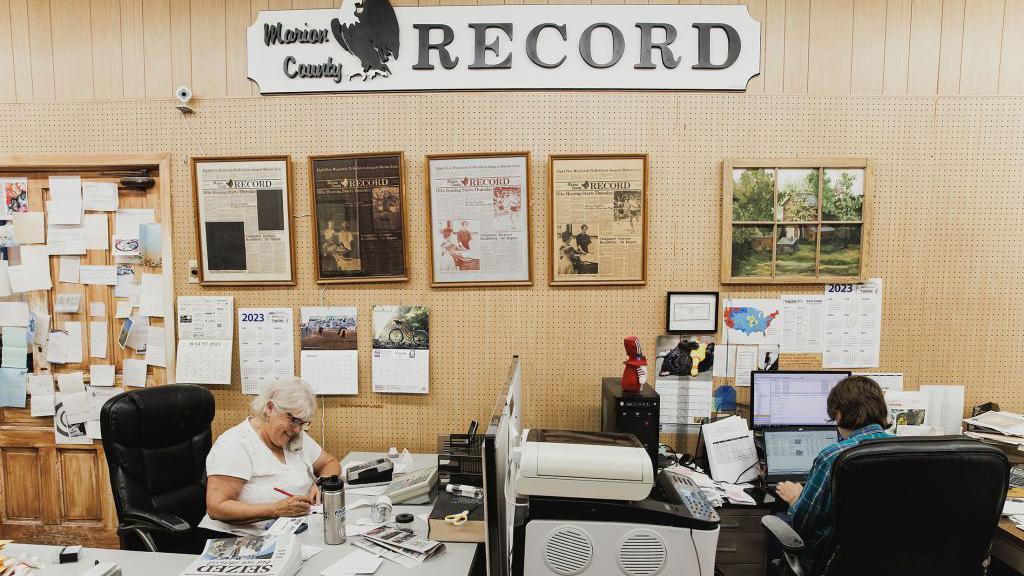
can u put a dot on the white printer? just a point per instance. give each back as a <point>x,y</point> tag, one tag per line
<point>571,464</point>
<point>587,510</point>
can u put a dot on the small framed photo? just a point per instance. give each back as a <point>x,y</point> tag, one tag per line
<point>691,313</point>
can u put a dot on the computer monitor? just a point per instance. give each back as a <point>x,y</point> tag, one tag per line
<point>503,431</point>
<point>791,398</point>
<point>789,454</point>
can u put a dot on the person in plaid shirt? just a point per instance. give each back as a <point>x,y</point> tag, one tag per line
<point>857,406</point>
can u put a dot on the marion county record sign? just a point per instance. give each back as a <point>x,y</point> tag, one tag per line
<point>371,46</point>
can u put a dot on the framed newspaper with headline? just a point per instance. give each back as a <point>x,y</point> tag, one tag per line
<point>357,208</point>
<point>478,212</point>
<point>597,220</point>
<point>244,230</point>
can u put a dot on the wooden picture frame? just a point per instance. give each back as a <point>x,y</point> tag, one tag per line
<point>449,257</point>
<point>206,277</point>
<point>675,298</point>
<point>322,276</point>
<point>776,248</point>
<point>624,210</point>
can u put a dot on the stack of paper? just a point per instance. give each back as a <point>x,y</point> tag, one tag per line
<point>731,453</point>
<point>1006,423</point>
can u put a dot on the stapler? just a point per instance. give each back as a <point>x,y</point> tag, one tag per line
<point>373,472</point>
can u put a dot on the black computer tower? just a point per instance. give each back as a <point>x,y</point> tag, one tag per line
<point>633,413</point>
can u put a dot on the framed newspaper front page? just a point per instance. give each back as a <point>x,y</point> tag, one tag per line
<point>597,220</point>
<point>358,213</point>
<point>244,231</point>
<point>478,211</point>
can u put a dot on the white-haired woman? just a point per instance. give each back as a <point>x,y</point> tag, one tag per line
<point>265,453</point>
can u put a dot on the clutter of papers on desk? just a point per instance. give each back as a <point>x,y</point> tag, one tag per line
<point>1000,427</point>
<point>716,492</point>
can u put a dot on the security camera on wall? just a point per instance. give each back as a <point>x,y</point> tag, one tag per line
<point>184,96</point>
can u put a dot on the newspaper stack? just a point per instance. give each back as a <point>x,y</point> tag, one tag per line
<point>267,555</point>
<point>399,546</point>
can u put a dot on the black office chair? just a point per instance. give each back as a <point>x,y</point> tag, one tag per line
<point>909,506</point>
<point>156,441</point>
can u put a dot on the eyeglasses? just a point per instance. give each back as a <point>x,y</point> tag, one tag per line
<point>297,423</point>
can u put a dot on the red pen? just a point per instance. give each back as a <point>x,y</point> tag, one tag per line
<point>286,493</point>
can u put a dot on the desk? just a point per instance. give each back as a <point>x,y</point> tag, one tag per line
<point>1008,546</point>
<point>457,558</point>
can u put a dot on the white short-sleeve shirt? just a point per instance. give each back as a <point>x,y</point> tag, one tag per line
<point>240,453</point>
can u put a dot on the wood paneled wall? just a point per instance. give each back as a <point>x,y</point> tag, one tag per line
<point>81,50</point>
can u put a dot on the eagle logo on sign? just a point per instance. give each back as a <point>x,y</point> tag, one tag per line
<point>368,30</point>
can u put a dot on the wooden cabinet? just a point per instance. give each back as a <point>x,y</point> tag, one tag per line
<point>741,542</point>
<point>52,494</point>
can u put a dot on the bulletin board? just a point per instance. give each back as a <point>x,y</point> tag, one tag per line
<point>946,235</point>
<point>97,168</point>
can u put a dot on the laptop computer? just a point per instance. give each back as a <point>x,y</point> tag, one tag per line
<point>790,452</point>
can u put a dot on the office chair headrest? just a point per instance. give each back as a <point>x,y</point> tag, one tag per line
<point>157,417</point>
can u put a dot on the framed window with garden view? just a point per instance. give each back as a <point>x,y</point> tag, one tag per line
<point>802,221</point>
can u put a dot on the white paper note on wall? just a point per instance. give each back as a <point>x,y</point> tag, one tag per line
<point>57,347</point>
<point>99,196</point>
<point>40,386</point>
<point>67,303</point>
<point>65,240</point>
<point>28,228</point>
<point>945,407</point>
<point>70,382</point>
<point>134,372</point>
<point>63,213</point>
<point>152,302</point>
<point>5,280</point>
<point>98,275</point>
<point>74,330</point>
<point>101,375</point>
<point>97,339</point>
<point>68,271</point>
<point>746,362</point>
<point>34,271</point>
<point>70,433</point>
<point>96,234</point>
<point>155,349</point>
<point>14,314</point>
<point>127,221</point>
<point>803,330</point>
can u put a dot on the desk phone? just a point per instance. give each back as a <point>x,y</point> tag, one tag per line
<point>678,489</point>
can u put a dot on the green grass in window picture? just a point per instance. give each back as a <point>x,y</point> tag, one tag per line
<point>840,249</point>
<point>752,251</point>
<point>795,248</point>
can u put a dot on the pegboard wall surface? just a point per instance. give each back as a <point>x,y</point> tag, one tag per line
<point>946,237</point>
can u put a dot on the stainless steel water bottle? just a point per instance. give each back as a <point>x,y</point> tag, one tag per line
<point>332,495</point>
